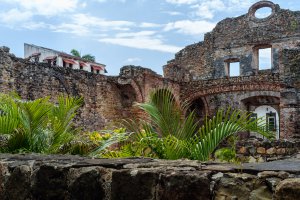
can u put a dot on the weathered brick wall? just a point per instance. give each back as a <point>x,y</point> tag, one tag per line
<point>106,99</point>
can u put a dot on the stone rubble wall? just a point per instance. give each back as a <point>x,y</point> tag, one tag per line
<point>238,39</point>
<point>106,99</point>
<point>259,150</point>
<point>71,177</point>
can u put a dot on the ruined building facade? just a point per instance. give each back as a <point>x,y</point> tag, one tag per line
<point>199,74</point>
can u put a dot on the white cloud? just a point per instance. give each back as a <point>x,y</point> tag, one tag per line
<point>206,9</point>
<point>14,15</point>
<point>103,1</point>
<point>132,60</point>
<point>149,25</point>
<point>35,25</point>
<point>141,40</point>
<point>181,1</point>
<point>91,21</point>
<point>173,13</point>
<point>190,27</point>
<point>71,28</point>
<point>45,7</point>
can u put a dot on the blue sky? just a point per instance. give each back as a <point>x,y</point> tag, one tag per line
<point>117,32</point>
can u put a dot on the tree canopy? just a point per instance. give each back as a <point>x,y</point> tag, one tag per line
<point>87,57</point>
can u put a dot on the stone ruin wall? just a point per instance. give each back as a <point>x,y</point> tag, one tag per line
<point>201,68</point>
<point>197,72</point>
<point>106,99</point>
<point>72,177</point>
<point>239,38</point>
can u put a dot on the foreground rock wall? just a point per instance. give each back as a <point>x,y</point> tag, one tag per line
<point>72,177</point>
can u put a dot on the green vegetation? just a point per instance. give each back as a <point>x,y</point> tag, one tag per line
<point>87,57</point>
<point>168,133</point>
<point>36,126</point>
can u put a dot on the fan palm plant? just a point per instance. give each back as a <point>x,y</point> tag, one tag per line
<point>36,126</point>
<point>171,135</point>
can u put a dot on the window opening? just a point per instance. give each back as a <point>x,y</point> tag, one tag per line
<point>233,69</point>
<point>265,58</point>
<point>271,121</point>
<point>263,12</point>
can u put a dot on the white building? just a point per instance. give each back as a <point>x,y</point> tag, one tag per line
<point>57,58</point>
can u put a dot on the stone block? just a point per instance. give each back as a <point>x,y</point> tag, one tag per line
<point>134,184</point>
<point>288,189</point>
<point>261,150</point>
<point>271,151</point>
<point>184,186</point>
<point>281,151</point>
<point>243,150</point>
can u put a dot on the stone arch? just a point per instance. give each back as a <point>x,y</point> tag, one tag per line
<point>127,95</point>
<point>264,104</point>
<point>139,96</point>
<point>250,96</point>
<point>262,4</point>
<point>199,106</point>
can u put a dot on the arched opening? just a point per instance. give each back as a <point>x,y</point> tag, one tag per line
<point>198,107</point>
<point>127,95</point>
<point>263,12</point>
<point>266,107</point>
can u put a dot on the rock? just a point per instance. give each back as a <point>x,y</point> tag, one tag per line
<point>184,186</point>
<point>217,176</point>
<point>139,186</point>
<point>288,189</point>
<point>252,159</point>
<point>267,174</point>
<point>17,183</point>
<point>271,151</point>
<point>261,193</point>
<point>243,150</point>
<point>5,49</point>
<point>252,151</point>
<point>50,182</point>
<point>260,159</point>
<point>281,151</point>
<point>272,183</point>
<point>240,186</point>
<point>261,150</point>
<point>87,183</point>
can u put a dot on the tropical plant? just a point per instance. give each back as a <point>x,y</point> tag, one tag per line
<point>167,134</point>
<point>36,126</point>
<point>87,57</point>
<point>75,52</point>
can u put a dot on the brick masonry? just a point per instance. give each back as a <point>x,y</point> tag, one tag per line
<point>197,74</point>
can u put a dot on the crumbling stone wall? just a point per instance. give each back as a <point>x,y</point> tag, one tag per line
<point>72,177</point>
<point>106,99</point>
<point>202,68</point>
<point>238,39</point>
